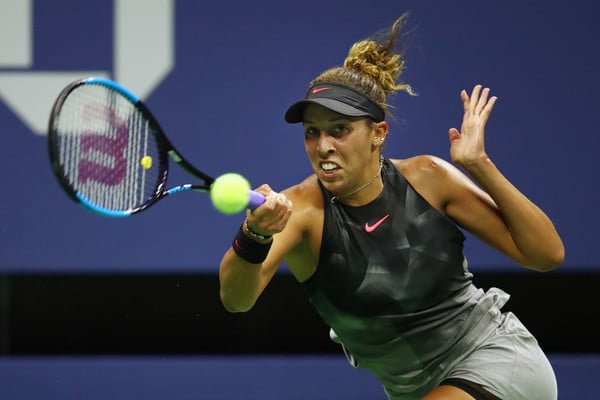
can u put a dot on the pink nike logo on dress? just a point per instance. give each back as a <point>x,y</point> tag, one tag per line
<point>317,90</point>
<point>371,228</point>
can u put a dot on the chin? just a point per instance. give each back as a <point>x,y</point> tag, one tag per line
<point>331,187</point>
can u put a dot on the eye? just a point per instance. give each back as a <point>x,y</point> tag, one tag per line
<point>339,130</point>
<point>310,132</point>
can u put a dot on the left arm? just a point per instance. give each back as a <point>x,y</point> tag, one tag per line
<point>500,214</point>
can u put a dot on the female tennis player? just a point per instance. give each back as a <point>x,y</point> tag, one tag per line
<point>377,246</point>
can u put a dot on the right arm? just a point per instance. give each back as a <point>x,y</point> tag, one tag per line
<point>242,282</point>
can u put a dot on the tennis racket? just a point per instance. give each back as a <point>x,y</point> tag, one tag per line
<point>110,154</point>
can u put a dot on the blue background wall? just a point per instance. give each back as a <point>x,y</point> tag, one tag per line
<point>239,64</point>
<point>259,378</point>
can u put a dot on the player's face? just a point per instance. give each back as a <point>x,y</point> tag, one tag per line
<point>339,148</point>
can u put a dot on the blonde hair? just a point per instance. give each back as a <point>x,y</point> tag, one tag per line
<point>373,66</point>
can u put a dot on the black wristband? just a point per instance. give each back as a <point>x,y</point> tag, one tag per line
<point>248,249</point>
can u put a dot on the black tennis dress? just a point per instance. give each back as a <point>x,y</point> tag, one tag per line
<point>393,284</point>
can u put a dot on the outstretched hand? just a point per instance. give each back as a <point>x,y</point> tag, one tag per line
<point>467,146</point>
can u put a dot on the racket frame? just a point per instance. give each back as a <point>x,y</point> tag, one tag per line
<point>166,151</point>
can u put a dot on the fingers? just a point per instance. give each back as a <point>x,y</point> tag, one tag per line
<point>465,99</point>
<point>272,216</point>
<point>278,204</point>
<point>475,98</point>
<point>467,145</point>
<point>489,106</point>
<point>478,103</point>
<point>482,100</point>
<point>264,189</point>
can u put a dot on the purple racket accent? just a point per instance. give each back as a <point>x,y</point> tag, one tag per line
<point>256,200</point>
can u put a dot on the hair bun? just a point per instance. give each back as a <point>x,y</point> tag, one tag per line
<point>373,66</point>
<point>371,58</point>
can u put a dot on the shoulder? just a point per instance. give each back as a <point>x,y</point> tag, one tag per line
<point>306,198</point>
<point>434,178</point>
<point>426,170</point>
<point>305,193</point>
<point>425,164</point>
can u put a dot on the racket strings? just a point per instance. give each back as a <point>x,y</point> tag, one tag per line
<point>107,149</point>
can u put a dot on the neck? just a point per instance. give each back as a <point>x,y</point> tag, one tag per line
<point>362,188</point>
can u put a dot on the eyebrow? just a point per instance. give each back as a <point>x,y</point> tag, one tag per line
<point>331,120</point>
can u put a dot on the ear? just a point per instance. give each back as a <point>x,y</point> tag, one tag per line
<point>381,131</point>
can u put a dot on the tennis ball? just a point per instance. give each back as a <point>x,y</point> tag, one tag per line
<point>146,162</point>
<point>230,193</point>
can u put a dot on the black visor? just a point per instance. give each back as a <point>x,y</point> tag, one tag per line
<point>338,98</point>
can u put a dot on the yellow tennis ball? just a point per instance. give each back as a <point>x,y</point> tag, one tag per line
<point>230,193</point>
<point>146,162</point>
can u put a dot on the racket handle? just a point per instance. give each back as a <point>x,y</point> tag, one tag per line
<point>256,199</point>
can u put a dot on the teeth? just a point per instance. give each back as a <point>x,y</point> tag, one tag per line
<point>328,166</point>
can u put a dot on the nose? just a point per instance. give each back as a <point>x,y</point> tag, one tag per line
<point>324,143</point>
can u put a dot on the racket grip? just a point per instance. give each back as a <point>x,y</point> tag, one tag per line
<point>256,199</point>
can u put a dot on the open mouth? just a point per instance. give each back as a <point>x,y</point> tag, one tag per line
<point>329,166</point>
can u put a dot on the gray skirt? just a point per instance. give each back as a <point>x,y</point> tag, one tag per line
<point>496,351</point>
<point>509,364</point>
